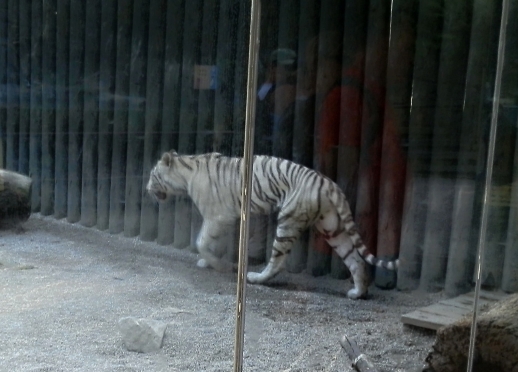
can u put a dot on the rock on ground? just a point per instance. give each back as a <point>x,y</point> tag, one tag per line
<point>142,335</point>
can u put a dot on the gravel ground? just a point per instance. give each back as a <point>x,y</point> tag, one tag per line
<point>65,287</point>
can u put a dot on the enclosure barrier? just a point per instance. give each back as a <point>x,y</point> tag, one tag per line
<point>93,92</point>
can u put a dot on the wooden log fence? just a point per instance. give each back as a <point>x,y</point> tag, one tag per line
<point>391,101</point>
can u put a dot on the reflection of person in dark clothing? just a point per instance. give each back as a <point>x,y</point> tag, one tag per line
<point>276,98</point>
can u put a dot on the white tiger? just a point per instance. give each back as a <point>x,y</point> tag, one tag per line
<point>301,196</point>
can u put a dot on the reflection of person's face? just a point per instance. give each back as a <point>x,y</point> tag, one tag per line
<point>277,73</point>
<point>328,72</point>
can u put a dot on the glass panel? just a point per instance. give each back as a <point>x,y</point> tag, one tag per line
<point>91,95</point>
<point>390,102</point>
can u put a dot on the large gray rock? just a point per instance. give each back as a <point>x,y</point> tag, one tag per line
<point>496,343</point>
<point>142,335</point>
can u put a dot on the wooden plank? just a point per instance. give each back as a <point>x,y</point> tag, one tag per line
<point>24,86</point>
<point>13,89</point>
<point>120,120</point>
<point>450,310</point>
<point>48,104</point>
<point>107,74</point>
<point>426,65</point>
<point>136,117</point>
<point>76,108</point>
<point>91,113</point>
<point>35,141</point>
<point>154,90</point>
<point>62,55</point>
<point>171,107</point>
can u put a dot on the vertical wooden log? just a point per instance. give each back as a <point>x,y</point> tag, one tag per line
<point>395,131</point>
<point>136,117</point>
<point>224,93</point>
<point>3,80</point>
<point>76,108</point>
<point>269,42</point>
<point>91,113</point>
<point>448,115</point>
<point>62,84</point>
<point>241,65</point>
<point>13,88</point>
<point>282,131</point>
<point>510,269</point>
<point>239,94</point>
<point>226,62</point>
<point>481,60</point>
<point>284,109</point>
<point>262,228</point>
<point>35,141</point>
<point>120,119</point>
<point>205,101</point>
<point>155,78</point>
<point>107,73</point>
<point>303,123</point>
<point>48,103</point>
<point>424,93</point>
<point>367,203</point>
<point>171,107</point>
<point>350,114</point>
<point>188,112</point>
<point>205,117</point>
<point>327,114</point>
<point>25,83</point>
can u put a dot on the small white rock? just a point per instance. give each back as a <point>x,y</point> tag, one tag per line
<point>142,335</point>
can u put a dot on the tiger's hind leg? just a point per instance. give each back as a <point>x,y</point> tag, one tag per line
<point>287,233</point>
<point>208,242</point>
<point>342,244</point>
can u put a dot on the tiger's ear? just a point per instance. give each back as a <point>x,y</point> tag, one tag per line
<point>167,159</point>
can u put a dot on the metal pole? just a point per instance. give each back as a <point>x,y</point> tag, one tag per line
<point>246,166</point>
<point>489,174</point>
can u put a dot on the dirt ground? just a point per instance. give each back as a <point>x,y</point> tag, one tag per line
<point>65,287</point>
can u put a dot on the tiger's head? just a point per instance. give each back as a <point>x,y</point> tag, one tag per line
<point>165,178</point>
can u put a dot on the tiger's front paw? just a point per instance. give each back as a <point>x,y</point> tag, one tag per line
<point>355,294</point>
<point>254,278</point>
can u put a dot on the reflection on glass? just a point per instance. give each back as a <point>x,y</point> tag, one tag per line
<point>391,101</point>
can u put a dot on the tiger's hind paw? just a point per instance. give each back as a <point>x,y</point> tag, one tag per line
<point>202,263</point>
<point>254,278</point>
<point>355,294</point>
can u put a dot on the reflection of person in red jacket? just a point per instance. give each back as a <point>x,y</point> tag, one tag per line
<point>356,137</point>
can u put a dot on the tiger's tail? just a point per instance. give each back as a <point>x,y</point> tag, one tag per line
<point>337,197</point>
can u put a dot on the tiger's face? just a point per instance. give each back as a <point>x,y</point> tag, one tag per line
<point>164,179</point>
